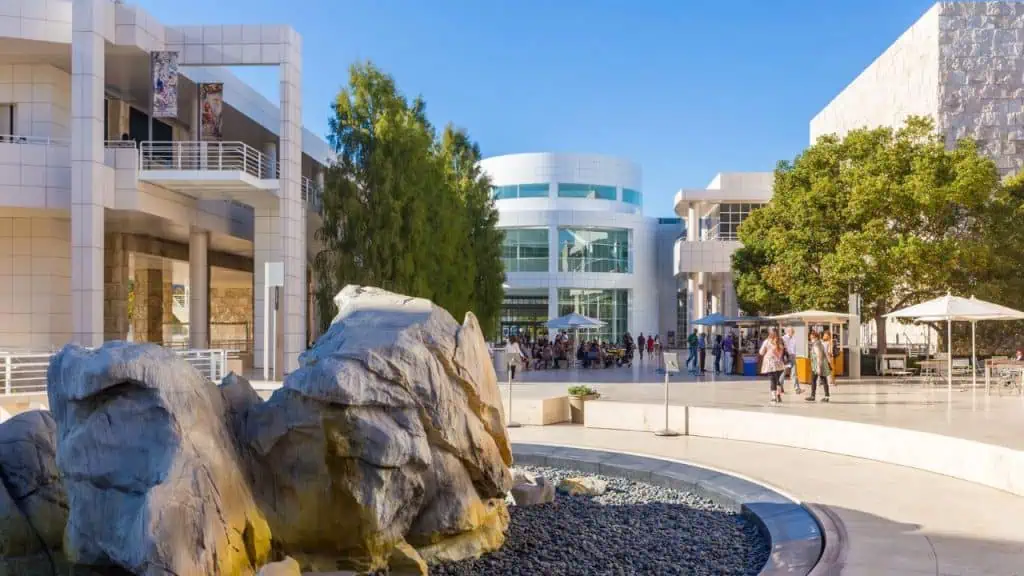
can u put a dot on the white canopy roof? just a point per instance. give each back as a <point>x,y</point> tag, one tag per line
<point>813,317</point>
<point>955,308</point>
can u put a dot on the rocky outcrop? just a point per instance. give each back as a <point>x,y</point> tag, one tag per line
<point>391,432</point>
<point>33,506</point>
<point>154,481</point>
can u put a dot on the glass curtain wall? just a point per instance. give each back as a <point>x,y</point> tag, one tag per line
<point>523,315</point>
<point>589,191</point>
<point>525,250</point>
<point>611,306</point>
<point>593,250</point>
<point>723,222</point>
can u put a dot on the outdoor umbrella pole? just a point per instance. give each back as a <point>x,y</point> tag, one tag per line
<point>949,361</point>
<point>974,359</point>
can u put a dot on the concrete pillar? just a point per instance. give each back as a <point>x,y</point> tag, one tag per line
<point>266,248</point>
<point>853,336</point>
<point>88,51</point>
<point>729,303</point>
<point>691,302</point>
<point>293,212</point>
<point>700,310</point>
<point>199,290</point>
<point>154,305</point>
<point>552,302</point>
<point>553,255</point>
<point>270,159</point>
<point>692,224</point>
<point>116,278</point>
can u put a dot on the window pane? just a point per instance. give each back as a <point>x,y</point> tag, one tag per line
<point>610,306</point>
<point>593,250</point>
<point>525,250</point>
<point>533,190</point>
<point>590,191</point>
<point>632,197</point>
<point>505,192</point>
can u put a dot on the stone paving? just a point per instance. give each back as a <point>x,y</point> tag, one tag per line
<point>994,418</point>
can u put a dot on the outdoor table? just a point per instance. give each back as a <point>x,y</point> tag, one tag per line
<point>931,368</point>
<point>1013,365</point>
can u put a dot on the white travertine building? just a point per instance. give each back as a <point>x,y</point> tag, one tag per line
<point>117,225</point>
<point>962,64</point>
<point>576,241</point>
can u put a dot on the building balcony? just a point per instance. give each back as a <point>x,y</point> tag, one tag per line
<point>35,172</point>
<point>211,171</point>
<point>703,256</point>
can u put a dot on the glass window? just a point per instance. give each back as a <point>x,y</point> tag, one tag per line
<point>526,250</point>
<point>6,119</point>
<point>727,224</point>
<point>590,191</point>
<point>512,191</point>
<point>593,250</point>
<point>611,306</point>
<point>632,197</point>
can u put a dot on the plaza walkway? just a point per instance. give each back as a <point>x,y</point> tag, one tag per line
<point>994,418</point>
<point>899,521</point>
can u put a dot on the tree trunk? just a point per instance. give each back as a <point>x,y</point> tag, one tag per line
<point>880,335</point>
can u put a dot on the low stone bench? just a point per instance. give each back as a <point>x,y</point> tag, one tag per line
<point>537,411</point>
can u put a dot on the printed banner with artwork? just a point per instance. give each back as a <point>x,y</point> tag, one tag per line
<point>211,102</point>
<point>165,84</point>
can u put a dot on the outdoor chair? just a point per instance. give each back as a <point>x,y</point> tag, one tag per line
<point>897,367</point>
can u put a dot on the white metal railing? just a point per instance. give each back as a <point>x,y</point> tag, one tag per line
<point>212,156</point>
<point>25,372</point>
<point>312,194</point>
<point>38,140</point>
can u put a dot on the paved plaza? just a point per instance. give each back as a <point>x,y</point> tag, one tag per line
<point>996,418</point>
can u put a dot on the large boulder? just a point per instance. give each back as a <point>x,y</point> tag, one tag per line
<point>390,432</point>
<point>154,481</point>
<point>530,489</point>
<point>33,506</point>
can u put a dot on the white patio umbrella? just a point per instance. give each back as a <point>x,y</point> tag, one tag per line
<point>574,321</point>
<point>951,309</point>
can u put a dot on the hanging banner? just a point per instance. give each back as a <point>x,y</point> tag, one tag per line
<point>165,84</point>
<point>211,108</point>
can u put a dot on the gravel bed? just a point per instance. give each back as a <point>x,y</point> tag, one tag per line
<point>633,528</point>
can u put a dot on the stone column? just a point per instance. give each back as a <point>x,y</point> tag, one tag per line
<point>266,248</point>
<point>553,255</point>
<point>552,302</point>
<point>692,223</point>
<point>293,212</point>
<point>729,303</point>
<point>691,301</point>
<point>88,52</point>
<point>700,310</point>
<point>154,305</point>
<point>199,290</point>
<point>116,279</point>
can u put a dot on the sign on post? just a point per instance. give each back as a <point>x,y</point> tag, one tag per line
<point>671,362</point>
<point>273,278</point>
<point>510,359</point>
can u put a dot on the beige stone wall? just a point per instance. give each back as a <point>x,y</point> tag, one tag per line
<point>230,313</point>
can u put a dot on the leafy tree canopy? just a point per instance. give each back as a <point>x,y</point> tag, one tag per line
<point>889,213</point>
<point>404,209</point>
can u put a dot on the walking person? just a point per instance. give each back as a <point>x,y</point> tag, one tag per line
<point>650,346</point>
<point>716,349</point>
<point>641,343</point>
<point>727,348</point>
<point>702,346</point>
<point>515,352</point>
<point>831,352</point>
<point>789,340</point>
<point>821,369</point>
<point>772,365</point>
<point>691,358</point>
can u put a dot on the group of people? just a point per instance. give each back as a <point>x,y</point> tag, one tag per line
<point>649,344</point>
<point>778,356</point>
<point>544,354</point>
<point>697,345</point>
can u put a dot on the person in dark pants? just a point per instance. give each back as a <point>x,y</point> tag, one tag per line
<point>641,344</point>
<point>820,367</point>
<point>716,349</point>
<point>702,345</point>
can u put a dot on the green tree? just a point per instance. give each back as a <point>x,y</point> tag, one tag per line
<point>400,207</point>
<point>889,213</point>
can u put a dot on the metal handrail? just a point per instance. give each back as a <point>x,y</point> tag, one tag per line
<point>120,144</point>
<point>25,372</point>
<point>212,156</point>
<point>44,140</point>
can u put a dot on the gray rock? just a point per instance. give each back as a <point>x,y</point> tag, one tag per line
<point>393,418</point>
<point>530,489</point>
<point>154,481</point>
<point>582,486</point>
<point>33,506</point>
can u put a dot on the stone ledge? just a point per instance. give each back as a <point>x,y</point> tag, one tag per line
<point>990,465</point>
<point>795,536</point>
<point>537,411</point>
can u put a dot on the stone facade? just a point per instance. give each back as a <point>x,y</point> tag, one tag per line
<point>960,64</point>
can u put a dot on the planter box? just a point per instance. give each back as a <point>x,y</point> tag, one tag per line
<point>538,411</point>
<point>576,406</point>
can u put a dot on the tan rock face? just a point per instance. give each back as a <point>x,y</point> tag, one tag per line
<point>391,431</point>
<point>153,478</point>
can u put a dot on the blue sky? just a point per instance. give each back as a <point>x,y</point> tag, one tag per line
<point>686,88</point>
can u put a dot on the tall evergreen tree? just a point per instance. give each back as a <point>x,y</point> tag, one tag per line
<point>404,210</point>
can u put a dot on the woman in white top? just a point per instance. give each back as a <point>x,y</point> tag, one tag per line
<point>513,348</point>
